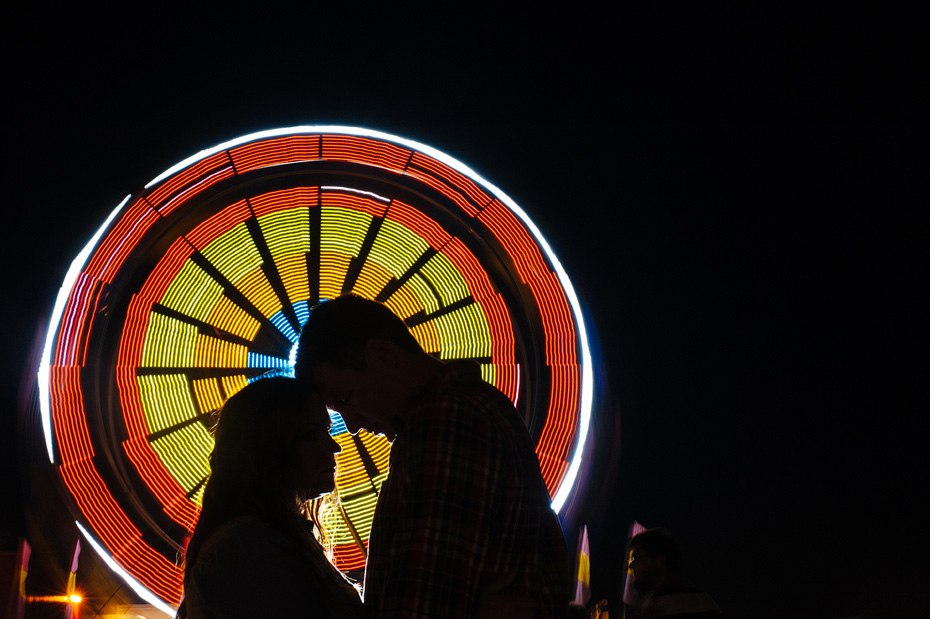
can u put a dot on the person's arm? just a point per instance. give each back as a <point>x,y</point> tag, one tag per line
<point>494,603</point>
<point>253,573</point>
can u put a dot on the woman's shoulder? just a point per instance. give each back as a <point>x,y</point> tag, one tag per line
<point>246,569</point>
<point>245,538</point>
<point>247,525</point>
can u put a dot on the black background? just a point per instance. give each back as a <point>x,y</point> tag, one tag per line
<point>738,195</point>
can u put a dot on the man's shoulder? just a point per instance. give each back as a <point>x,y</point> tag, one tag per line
<point>461,398</point>
<point>686,601</point>
<point>462,378</point>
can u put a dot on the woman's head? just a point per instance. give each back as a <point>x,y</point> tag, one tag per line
<point>272,453</point>
<point>273,445</point>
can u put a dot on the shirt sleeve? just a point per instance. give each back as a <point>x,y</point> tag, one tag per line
<point>452,463</point>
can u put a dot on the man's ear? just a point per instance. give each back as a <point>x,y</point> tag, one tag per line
<point>380,354</point>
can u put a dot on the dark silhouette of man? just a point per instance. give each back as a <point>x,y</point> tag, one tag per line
<point>463,522</point>
<point>654,559</point>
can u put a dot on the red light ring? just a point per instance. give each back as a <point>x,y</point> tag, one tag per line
<point>175,195</point>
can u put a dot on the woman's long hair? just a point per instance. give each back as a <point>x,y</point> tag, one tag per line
<point>251,473</point>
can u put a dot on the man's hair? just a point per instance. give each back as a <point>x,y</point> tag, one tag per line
<point>658,542</point>
<point>338,331</point>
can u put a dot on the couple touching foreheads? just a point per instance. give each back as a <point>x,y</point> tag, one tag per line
<point>463,525</point>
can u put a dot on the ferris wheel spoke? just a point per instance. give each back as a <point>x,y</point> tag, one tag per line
<point>180,425</point>
<point>200,373</point>
<point>204,328</point>
<point>396,284</point>
<point>357,262</point>
<point>281,341</point>
<point>313,256</point>
<point>190,494</point>
<point>422,317</point>
<point>270,270</point>
<point>371,469</point>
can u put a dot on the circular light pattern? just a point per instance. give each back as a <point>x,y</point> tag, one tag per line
<point>200,283</point>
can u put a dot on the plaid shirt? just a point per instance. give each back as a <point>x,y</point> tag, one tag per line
<point>464,507</point>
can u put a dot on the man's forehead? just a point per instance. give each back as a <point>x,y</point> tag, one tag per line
<point>637,550</point>
<point>328,378</point>
<point>324,374</point>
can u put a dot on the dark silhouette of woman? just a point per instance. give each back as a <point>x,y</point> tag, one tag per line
<point>254,552</point>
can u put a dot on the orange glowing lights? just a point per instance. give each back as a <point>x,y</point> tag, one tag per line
<point>202,281</point>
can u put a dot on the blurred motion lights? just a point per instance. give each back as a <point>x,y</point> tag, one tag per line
<point>200,283</point>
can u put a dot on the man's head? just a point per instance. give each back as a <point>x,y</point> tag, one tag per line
<point>338,331</point>
<point>653,557</point>
<point>362,359</point>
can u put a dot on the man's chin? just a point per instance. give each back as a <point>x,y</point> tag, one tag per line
<point>387,432</point>
<point>640,588</point>
<point>378,428</point>
<point>381,432</point>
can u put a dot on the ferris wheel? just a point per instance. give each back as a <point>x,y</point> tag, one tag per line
<point>200,282</point>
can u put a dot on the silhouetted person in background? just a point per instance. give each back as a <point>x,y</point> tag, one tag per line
<point>253,553</point>
<point>654,559</point>
<point>578,611</point>
<point>464,511</point>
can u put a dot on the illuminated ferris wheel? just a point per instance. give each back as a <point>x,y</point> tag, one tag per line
<point>200,283</point>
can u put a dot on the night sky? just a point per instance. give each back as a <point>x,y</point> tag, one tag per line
<point>740,198</point>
